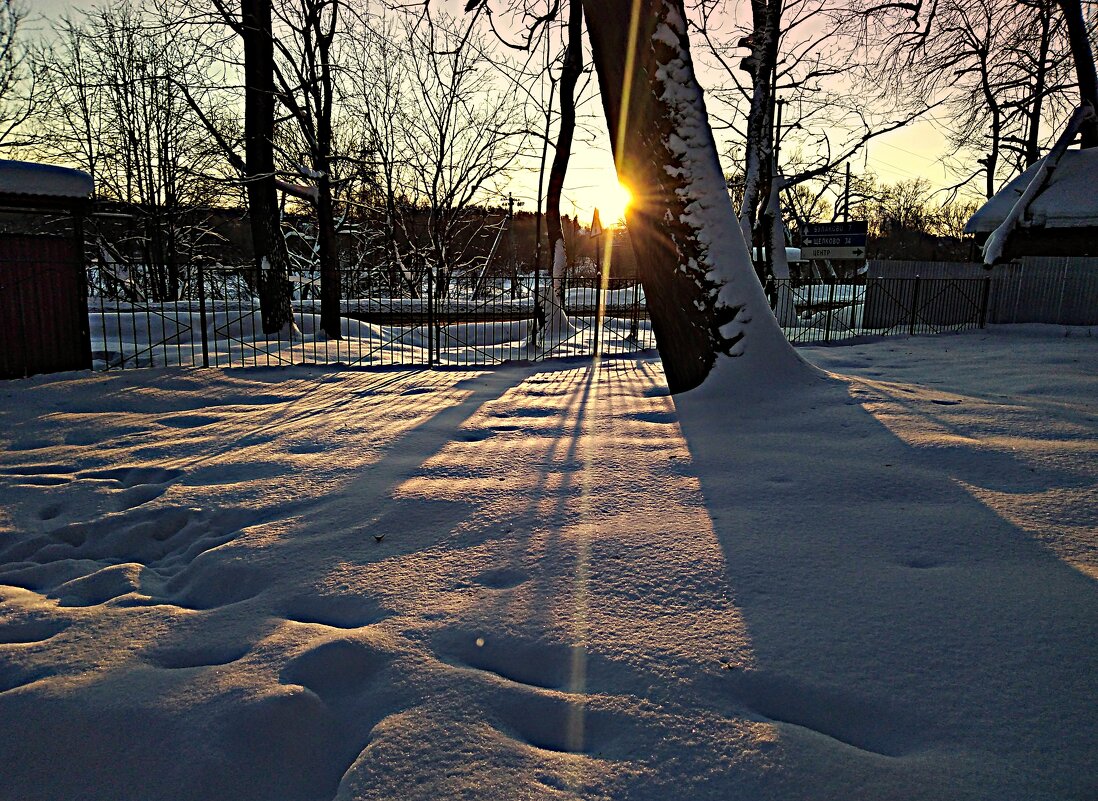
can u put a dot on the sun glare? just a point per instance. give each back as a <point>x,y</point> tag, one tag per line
<point>612,202</point>
<point>602,192</point>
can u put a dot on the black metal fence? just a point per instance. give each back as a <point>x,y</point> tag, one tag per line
<point>216,321</point>
<point>1034,289</point>
<point>880,307</point>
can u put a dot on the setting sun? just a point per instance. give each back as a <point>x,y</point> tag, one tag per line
<point>601,190</point>
<point>612,201</point>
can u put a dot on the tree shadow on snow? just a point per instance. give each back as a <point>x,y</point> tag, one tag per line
<point>904,635</point>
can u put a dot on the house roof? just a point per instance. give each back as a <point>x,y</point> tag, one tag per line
<point>30,179</point>
<point>1070,200</point>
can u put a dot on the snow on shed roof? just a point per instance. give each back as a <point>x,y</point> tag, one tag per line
<point>1069,201</point>
<point>43,180</point>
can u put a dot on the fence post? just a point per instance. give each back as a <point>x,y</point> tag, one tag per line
<point>430,317</point>
<point>985,301</point>
<point>914,307</point>
<point>830,306</point>
<point>202,315</point>
<point>598,316</point>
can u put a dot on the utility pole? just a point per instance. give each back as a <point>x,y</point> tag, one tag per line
<point>511,240</point>
<point>846,195</point>
<point>778,138</point>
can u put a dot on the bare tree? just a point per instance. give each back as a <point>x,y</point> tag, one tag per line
<point>571,71</point>
<point>1002,67</point>
<point>112,106</point>
<point>251,25</point>
<point>306,77</point>
<point>1083,56</point>
<point>20,95</point>
<point>376,98</point>
<point>445,128</point>
<point>804,92</point>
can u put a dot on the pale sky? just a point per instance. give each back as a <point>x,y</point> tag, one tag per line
<point>908,153</point>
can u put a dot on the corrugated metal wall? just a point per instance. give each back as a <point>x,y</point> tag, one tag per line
<point>1060,290</point>
<point>43,306</point>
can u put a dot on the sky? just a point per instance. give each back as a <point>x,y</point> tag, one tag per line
<point>912,152</point>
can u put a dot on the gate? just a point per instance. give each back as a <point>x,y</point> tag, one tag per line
<point>43,306</point>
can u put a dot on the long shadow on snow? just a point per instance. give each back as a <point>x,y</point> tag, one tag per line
<point>894,618</point>
<point>299,740</point>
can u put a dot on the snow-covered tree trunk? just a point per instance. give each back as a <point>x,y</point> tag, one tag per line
<point>557,327</point>
<point>707,306</point>
<point>570,74</point>
<point>759,164</point>
<point>1085,70</point>
<point>785,309</point>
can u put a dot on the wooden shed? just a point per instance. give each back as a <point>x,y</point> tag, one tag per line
<point>43,287</point>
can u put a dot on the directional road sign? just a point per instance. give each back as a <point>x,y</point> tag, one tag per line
<point>840,240</point>
<point>857,252</point>
<point>835,235</point>
<point>833,240</point>
<point>837,228</point>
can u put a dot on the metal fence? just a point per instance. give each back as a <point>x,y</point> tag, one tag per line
<point>1033,289</point>
<point>217,322</point>
<point>1047,290</point>
<point>879,307</point>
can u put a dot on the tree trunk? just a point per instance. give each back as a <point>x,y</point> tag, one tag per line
<point>703,296</point>
<point>328,252</point>
<point>759,165</point>
<point>570,73</point>
<point>327,239</point>
<point>1040,86</point>
<point>272,262</point>
<point>1084,66</point>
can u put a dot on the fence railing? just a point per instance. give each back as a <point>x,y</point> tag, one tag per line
<point>1060,290</point>
<point>879,307</point>
<point>217,322</point>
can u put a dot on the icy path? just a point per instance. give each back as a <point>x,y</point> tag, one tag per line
<point>582,589</point>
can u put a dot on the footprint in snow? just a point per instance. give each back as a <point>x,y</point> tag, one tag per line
<point>188,421</point>
<point>338,611</point>
<point>336,668</point>
<point>501,578</point>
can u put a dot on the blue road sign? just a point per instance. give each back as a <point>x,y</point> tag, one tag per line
<point>842,240</point>
<point>836,228</point>
<point>844,235</point>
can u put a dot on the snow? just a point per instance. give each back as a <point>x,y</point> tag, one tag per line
<point>556,581</point>
<point>170,334</point>
<point>1068,201</point>
<point>752,335</point>
<point>29,178</point>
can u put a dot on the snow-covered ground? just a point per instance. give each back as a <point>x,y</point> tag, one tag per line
<point>556,581</point>
<point>170,335</point>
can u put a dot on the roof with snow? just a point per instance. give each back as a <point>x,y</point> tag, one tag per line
<point>43,180</point>
<point>1070,200</point>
